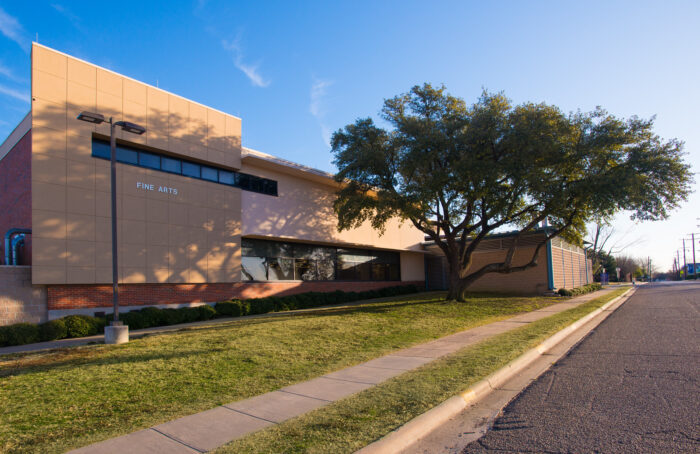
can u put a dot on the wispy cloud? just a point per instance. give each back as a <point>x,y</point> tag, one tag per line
<point>22,96</point>
<point>12,29</point>
<point>250,70</point>
<point>317,106</point>
<point>68,14</point>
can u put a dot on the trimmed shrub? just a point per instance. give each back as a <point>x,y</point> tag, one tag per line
<point>171,316</point>
<point>82,325</point>
<point>53,330</point>
<point>228,308</point>
<point>153,316</point>
<point>189,314</point>
<point>21,333</point>
<point>134,320</point>
<point>206,312</point>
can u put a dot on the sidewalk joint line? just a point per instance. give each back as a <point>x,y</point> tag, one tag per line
<point>176,440</point>
<point>248,414</point>
<point>304,395</point>
<point>350,381</point>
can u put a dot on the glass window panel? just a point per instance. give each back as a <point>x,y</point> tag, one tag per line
<point>210,174</point>
<point>326,270</point>
<point>354,255</point>
<point>364,270</point>
<point>304,270</point>
<point>101,149</point>
<point>127,156</point>
<point>347,271</point>
<point>394,272</point>
<point>171,165</point>
<point>191,170</point>
<point>226,177</point>
<point>254,248</point>
<point>280,269</point>
<point>149,160</point>
<point>244,181</point>
<point>307,251</point>
<point>277,249</point>
<point>253,268</point>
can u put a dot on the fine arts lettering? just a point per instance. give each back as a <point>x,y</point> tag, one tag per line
<point>152,187</point>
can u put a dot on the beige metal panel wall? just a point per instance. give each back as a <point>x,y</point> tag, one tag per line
<point>304,211</point>
<point>569,265</point>
<point>412,266</point>
<point>193,236</point>
<point>530,281</point>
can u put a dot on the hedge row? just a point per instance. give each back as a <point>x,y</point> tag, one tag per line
<point>588,288</point>
<point>83,325</point>
<point>71,326</point>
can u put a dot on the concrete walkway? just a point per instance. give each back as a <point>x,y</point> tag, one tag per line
<point>210,429</point>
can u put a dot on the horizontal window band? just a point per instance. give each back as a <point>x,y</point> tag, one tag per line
<point>182,167</point>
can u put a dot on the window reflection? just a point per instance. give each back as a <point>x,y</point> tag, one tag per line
<point>265,260</point>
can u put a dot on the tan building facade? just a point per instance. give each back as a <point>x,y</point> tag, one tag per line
<point>200,218</point>
<point>188,197</point>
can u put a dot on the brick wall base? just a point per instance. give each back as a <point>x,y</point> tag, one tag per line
<point>62,297</point>
<point>20,301</point>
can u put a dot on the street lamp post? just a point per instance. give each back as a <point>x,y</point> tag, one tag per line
<point>116,333</point>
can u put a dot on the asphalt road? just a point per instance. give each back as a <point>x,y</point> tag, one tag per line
<point>632,385</point>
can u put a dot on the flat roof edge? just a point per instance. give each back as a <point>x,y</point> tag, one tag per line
<point>16,135</point>
<point>34,43</point>
<point>254,154</point>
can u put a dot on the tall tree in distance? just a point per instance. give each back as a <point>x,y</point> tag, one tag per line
<point>459,173</point>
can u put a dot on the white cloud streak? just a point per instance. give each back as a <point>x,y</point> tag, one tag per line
<point>317,107</point>
<point>12,29</point>
<point>22,96</point>
<point>250,70</point>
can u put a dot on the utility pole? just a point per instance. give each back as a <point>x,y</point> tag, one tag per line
<point>695,268</point>
<point>678,261</point>
<point>685,264</point>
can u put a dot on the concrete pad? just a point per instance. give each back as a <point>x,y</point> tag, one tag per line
<point>212,428</point>
<point>398,362</point>
<point>427,352</point>
<point>530,317</point>
<point>364,374</point>
<point>326,388</point>
<point>465,338</point>
<point>142,442</point>
<point>276,406</point>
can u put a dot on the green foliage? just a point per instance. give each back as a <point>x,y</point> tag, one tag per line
<point>588,288</point>
<point>82,325</point>
<point>206,312</point>
<point>19,333</point>
<point>53,330</point>
<point>460,172</point>
<point>228,308</point>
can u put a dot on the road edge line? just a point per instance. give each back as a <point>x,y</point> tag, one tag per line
<point>420,426</point>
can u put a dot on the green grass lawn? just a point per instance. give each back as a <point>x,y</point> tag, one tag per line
<point>354,422</point>
<point>54,401</point>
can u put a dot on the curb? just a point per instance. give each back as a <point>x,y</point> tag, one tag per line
<point>422,425</point>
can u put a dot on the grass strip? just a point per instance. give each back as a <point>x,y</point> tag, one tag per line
<point>352,423</point>
<point>55,401</point>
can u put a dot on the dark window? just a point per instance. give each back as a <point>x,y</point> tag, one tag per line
<point>149,160</point>
<point>275,260</point>
<point>190,170</point>
<point>226,177</point>
<point>127,156</point>
<point>171,165</point>
<point>209,174</point>
<point>101,150</point>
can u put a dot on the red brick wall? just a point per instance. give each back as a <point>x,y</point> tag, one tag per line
<point>87,296</point>
<point>16,194</point>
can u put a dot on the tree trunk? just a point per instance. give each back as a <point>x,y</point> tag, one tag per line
<point>456,289</point>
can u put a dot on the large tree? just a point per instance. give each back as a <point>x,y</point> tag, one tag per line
<point>459,173</point>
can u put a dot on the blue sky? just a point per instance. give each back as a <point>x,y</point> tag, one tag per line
<point>297,71</point>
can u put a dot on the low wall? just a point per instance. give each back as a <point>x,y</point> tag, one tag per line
<point>70,297</point>
<point>20,301</point>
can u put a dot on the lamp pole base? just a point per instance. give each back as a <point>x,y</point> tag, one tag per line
<point>116,333</point>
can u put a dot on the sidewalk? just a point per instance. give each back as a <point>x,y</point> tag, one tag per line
<point>205,431</point>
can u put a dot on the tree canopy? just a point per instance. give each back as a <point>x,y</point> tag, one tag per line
<point>459,173</point>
